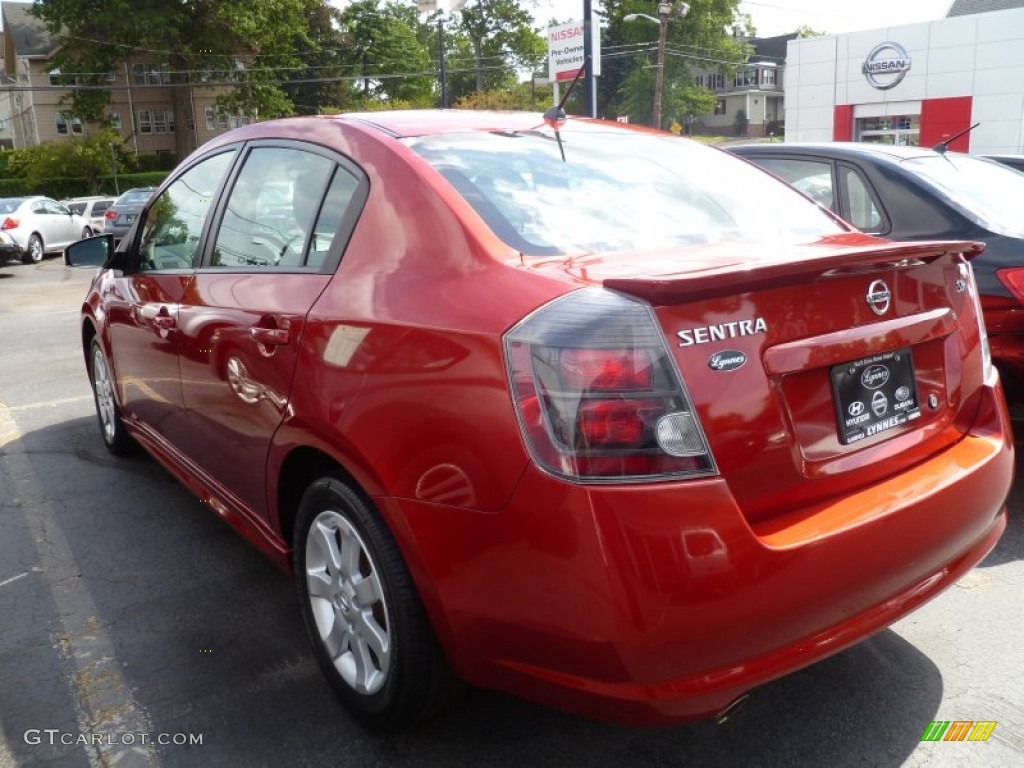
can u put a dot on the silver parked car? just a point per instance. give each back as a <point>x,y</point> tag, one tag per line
<point>33,226</point>
<point>92,209</point>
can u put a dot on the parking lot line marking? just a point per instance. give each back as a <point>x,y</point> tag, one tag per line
<point>13,579</point>
<point>47,403</point>
<point>104,704</point>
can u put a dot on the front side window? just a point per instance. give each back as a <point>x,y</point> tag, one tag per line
<point>174,222</point>
<point>616,191</point>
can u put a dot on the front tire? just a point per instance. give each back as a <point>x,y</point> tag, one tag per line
<point>369,630</point>
<point>112,428</point>
<point>34,252</point>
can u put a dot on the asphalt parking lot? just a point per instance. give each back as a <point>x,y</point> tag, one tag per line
<point>137,629</point>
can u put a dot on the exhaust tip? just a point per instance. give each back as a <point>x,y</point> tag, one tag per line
<point>729,710</point>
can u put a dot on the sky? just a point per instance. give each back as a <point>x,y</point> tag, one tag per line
<point>778,17</point>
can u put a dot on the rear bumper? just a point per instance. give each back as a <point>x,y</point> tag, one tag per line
<point>654,604</point>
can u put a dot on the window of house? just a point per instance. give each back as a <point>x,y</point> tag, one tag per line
<point>720,107</point>
<point>114,119</point>
<point>156,120</point>
<point>768,76</point>
<point>151,74</point>
<point>68,123</point>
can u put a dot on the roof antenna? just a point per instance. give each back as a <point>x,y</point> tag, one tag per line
<point>942,146</point>
<point>555,117</point>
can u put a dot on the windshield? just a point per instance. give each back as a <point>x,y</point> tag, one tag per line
<point>987,192</point>
<point>10,204</point>
<point>618,190</point>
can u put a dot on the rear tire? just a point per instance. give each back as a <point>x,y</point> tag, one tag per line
<point>86,232</point>
<point>34,252</point>
<point>369,630</point>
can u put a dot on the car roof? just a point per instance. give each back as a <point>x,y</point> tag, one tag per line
<point>840,149</point>
<point>422,122</point>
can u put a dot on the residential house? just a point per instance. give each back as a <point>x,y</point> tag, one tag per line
<point>34,94</point>
<point>750,101</point>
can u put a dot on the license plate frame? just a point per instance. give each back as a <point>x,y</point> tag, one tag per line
<point>875,394</point>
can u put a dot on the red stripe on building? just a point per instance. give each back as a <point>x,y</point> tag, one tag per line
<point>842,123</point>
<point>942,118</point>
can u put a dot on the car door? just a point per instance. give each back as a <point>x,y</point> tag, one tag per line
<point>264,266</point>
<point>60,228</point>
<point>143,303</point>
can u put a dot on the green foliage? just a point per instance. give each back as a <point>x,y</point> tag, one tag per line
<point>522,97</point>
<point>805,31</point>
<point>87,158</point>
<point>491,41</point>
<point>255,45</point>
<point>387,52</point>
<point>699,42</point>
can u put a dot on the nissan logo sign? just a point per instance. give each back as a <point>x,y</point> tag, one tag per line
<point>879,297</point>
<point>886,66</point>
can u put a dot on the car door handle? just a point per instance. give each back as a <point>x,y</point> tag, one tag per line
<point>159,316</point>
<point>271,337</point>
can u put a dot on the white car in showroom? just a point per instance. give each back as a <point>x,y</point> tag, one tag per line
<point>31,227</point>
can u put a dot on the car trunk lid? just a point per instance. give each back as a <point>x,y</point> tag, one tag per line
<point>816,368</point>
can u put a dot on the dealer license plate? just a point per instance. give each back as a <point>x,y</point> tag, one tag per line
<point>875,394</point>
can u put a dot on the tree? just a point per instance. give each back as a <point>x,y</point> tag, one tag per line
<point>87,158</point>
<point>496,39</point>
<point>805,31</point>
<point>252,45</point>
<point>384,47</point>
<point>701,41</point>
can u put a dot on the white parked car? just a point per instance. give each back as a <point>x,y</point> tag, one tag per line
<point>91,209</point>
<point>33,226</point>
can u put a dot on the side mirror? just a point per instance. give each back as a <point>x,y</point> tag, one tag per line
<point>92,252</point>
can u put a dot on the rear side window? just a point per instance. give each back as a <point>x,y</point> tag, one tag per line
<point>77,208</point>
<point>283,210</point>
<point>864,210</point>
<point>99,207</point>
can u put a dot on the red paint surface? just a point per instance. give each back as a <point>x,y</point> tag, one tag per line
<point>942,118</point>
<point>842,122</point>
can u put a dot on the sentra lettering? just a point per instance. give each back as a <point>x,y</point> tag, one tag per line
<point>705,334</point>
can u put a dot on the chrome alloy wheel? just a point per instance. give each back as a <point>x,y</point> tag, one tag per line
<point>347,602</point>
<point>104,390</point>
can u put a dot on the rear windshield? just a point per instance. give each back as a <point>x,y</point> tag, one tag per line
<point>134,197</point>
<point>617,190</point>
<point>10,204</point>
<point>986,191</point>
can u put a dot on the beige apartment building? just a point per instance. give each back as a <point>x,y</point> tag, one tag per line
<point>32,95</point>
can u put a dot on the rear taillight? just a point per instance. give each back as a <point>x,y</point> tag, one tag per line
<point>597,394</point>
<point>110,215</point>
<point>1013,279</point>
<point>10,223</point>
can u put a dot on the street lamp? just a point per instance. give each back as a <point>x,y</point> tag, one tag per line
<point>679,10</point>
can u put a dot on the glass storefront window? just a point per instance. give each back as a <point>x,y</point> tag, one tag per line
<point>901,130</point>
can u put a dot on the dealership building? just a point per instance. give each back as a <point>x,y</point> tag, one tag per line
<point>914,84</point>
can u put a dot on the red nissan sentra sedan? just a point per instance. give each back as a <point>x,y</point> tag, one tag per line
<point>628,433</point>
